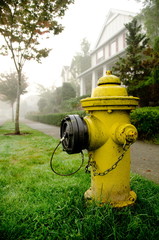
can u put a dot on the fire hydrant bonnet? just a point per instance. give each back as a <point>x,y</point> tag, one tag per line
<point>109,79</point>
<point>109,95</point>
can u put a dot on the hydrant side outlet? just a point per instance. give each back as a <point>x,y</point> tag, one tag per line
<point>74,132</point>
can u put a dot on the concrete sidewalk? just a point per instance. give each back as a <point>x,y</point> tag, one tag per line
<point>145,160</point>
<point>144,156</point>
<point>45,128</point>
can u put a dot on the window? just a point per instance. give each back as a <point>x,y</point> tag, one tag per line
<point>113,48</point>
<point>100,55</point>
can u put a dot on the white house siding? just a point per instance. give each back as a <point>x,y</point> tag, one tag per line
<point>121,41</point>
<point>93,60</point>
<point>110,48</point>
<point>110,45</point>
<point>106,51</point>
<point>114,26</point>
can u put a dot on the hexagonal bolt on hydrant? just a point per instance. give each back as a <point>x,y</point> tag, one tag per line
<point>107,134</point>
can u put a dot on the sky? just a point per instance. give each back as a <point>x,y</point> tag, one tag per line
<point>83,19</point>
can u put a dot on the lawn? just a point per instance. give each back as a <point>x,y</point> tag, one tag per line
<point>37,204</point>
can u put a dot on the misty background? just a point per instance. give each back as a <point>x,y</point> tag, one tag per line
<point>83,19</point>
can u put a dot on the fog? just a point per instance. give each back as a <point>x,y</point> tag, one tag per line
<point>5,111</point>
<point>27,105</point>
<point>84,19</point>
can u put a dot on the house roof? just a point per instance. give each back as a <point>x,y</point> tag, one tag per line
<point>64,69</point>
<point>113,13</point>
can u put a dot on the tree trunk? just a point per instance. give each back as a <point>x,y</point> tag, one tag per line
<point>17,128</point>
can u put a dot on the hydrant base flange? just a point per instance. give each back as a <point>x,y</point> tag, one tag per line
<point>130,201</point>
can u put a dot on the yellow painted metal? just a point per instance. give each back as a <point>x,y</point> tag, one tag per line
<point>107,103</point>
<point>110,132</point>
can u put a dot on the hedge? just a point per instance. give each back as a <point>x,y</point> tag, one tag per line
<point>146,120</point>
<point>52,119</point>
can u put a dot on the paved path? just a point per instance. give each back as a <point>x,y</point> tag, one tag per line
<point>144,156</point>
<point>145,160</point>
<point>45,128</point>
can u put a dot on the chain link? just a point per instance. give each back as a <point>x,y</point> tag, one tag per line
<point>92,164</point>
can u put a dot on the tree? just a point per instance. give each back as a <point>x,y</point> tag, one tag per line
<point>150,17</point>
<point>8,88</point>
<point>53,100</point>
<point>152,62</point>
<point>46,102</point>
<point>80,62</point>
<point>67,91</point>
<point>131,69</point>
<point>42,104</point>
<point>23,23</point>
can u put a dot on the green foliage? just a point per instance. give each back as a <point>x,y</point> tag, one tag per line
<point>73,104</point>
<point>8,86</point>
<point>155,72</point>
<point>150,17</point>
<point>146,121</point>
<point>151,83</point>
<point>152,62</point>
<point>42,104</point>
<point>67,91</point>
<point>130,68</point>
<point>46,103</point>
<point>36,204</point>
<point>55,100</point>
<point>156,44</point>
<point>52,119</point>
<point>58,99</point>
<point>139,68</point>
<point>23,24</point>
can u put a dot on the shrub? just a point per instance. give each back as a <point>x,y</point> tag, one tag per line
<point>146,120</point>
<point>73,104</point>
<point>52,119</point>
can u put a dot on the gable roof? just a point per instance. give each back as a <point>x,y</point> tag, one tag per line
<point>112,14</point>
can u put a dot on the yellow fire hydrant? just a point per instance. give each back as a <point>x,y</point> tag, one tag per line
<point>107,134</point>
<point>110,136</point>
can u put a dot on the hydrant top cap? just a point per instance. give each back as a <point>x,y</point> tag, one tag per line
<point>109,79</point>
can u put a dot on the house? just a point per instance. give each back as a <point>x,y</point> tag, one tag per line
<point>110,46</point>
<point>65,74</point>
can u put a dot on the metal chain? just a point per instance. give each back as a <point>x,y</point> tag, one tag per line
<point>94,166</point>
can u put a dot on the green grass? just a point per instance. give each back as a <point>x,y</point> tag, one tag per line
<point>37,204</point>
<point>155,139</point>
